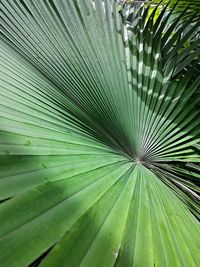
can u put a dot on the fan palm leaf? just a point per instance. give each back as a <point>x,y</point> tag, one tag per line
<point>99,137</point>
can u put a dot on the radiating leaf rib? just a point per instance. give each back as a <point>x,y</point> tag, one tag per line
<point>159,227</point>
<point>60,211</point>
<point>105,226</point>
<point>20,179</point>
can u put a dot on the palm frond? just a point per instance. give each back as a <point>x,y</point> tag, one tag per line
<point>99,136</point>
<point>192,7</point>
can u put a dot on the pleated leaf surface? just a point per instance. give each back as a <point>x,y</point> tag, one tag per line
<point>99,136</point>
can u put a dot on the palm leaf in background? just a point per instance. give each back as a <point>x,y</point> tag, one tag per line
<point>99,136</point>
<point>193,6</point>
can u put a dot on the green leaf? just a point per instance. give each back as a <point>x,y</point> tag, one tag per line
<point>99,135</point>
